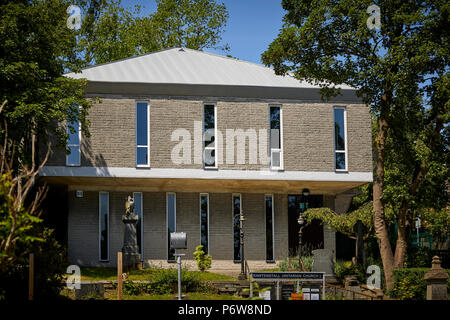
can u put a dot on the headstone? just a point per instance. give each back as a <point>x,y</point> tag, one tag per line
<point>323,262</point>
<point>90,291</point>
<point>436,280</point>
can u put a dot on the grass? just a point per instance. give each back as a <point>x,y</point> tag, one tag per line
<point>100,273</point>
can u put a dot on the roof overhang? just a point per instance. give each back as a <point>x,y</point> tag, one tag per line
<point>210,90</point>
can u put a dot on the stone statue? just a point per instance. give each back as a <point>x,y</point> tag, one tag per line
<point>130,250</point>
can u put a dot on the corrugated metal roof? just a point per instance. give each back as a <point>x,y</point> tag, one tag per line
<point>187,66</point>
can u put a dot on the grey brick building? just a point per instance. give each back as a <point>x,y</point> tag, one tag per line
<point>197,137</point>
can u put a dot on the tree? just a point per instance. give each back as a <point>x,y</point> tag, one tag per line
<point>115,32</point>
<point>401,71</point>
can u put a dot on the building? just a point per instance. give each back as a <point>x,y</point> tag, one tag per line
<point>196,138</point>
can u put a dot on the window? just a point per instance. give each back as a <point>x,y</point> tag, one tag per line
<point>236,227</point>
<point>104,226</point>
<point>138,210</point>
<point>142,134</point>
<point>209,136</point>
<point>276,139</point>
<point>204,222</point>
<point>171,223</point>
<point>340,138</point>
<point>73,144</point>
<point>269,228</point>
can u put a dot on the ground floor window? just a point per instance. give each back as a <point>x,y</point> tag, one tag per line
<point>138,210</point>
<point>236,227</point>
<point>204,221</point>
<point>103,226</point>
<point>269,228</point>
<point>171,223</point>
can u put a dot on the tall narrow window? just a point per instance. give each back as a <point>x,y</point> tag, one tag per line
<point>269,229</point>
<point>340,139</point>
<point>204,222</point>
<point>142,135</point>
<point>104,226</point>
<point>276,151</point>
<point>209,136</point>
<point>236,227</point>
<point>73,144</point>
<point>171,223</point>
<point>138,210</point>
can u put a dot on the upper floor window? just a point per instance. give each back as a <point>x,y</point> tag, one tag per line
<point>276,148</point>
<point>142,134</point>
<point>209,136</point>
<point>73,144</point>
<point>340,138</point>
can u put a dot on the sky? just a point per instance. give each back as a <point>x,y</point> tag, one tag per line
<point>251,27</point>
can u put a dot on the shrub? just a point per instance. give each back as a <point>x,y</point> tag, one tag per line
<point>203,260</point>
<point>50,267</point>
<point>290,264</point>
<point>418,257</point>
<point>347,268</point>
<point>409,284</point>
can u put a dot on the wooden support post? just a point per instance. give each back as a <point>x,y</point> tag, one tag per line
<point>119,275</point>
<point>31,277</point>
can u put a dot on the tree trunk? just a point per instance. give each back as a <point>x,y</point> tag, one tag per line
<point>402,244</point>
<point>378,205</point>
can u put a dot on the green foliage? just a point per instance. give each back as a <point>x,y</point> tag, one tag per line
<point>116,32</point>
<point>418,257</point>
<point>50,267</point>
<point>437,222</point>
<point>163,281</point>
<point>346,268</point>
<point>203,260</point>
<point>290,264</point>
<point>24,233</point>
<point>409,284</point>
<point>344,223</point>
<point>36,49</point>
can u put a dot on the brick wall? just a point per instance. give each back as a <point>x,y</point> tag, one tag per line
<point>83,226</point>
<point>307,133</point>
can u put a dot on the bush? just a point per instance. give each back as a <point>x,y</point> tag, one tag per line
<point>347,268</point>
<point>418,257</point>
<point>163,281</point>
<point>203,260</point>
<point>50,267</point>
<point>409,284</point>
<point>290,264</point>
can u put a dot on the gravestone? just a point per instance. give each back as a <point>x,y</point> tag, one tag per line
<point>90,291</point>
<point>323,262</point>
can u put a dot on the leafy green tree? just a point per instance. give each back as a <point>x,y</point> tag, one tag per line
<point>114,32</point>
<point>401,71</point>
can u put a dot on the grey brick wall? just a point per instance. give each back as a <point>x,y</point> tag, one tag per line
<point>307,133</point>
<point>83,226</point>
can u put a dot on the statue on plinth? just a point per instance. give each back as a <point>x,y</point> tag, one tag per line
<point>130,250</point>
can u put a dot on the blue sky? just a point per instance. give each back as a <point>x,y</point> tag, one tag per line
<point>251,27</point>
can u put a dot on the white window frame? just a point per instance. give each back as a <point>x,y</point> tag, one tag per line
<point>274,150</point>
<point>345,140</point>
<point>142,222</point>
<point>232,221</point>
<point>167,221</point>
<point>207,217</point>
<point>99,227</point>
<point>147,165</point>
<point>74,145</point>
<point>273,226</point>
<point>215,136</point>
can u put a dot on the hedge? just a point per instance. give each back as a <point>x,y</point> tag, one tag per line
<point>409,284</point>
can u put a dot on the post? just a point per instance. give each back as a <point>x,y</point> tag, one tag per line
<point>323,287</point>
<point>119,275</point>
<point>278,290</point>
<point>179,277</point>
<point>31,277</point>
<point>242,275</point>
<point>251,289</point>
